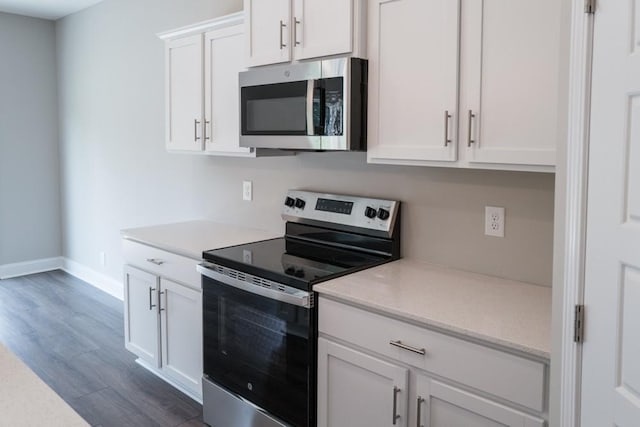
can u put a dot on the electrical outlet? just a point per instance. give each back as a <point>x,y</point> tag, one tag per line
<point>247,190</point>
<point>494,221</point>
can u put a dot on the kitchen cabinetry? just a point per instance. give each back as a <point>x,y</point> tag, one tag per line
<point>356,389</point>
<point>369,364</point>
<point>283,30</point>
<point>202,63</point>
<point>503,56</point>
<point>163,314</point>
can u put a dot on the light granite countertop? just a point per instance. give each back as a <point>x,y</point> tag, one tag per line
<point>191,238</point>
<point>501,312</point>
<point>25,400</point>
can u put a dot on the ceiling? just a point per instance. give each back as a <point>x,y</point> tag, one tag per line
<point>46,9</point>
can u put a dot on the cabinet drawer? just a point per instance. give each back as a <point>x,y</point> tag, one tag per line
<point>507,376</point>
<point>162,263</point>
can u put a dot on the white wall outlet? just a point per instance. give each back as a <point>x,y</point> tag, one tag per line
<point>247,190</point>
<point>494,221</point>
<point>103,259</point>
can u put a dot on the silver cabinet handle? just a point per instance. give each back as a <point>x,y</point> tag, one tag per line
<point>447,116</point>
<point>295,31</point>
<point>396,390</point>
<point>155,261</point>
<point>151,304</point>
<point>471,117</point>
<point>282,27</point>
<point>399,344</point>
<point>160,300</point>
<point>196,122</point>
<point>206,138</point>
<point>420,402</point>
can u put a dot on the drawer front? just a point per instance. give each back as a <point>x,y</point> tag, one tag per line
<point>495,372</point>
<point>162,263</point>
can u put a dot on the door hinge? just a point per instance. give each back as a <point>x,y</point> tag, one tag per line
<point>590,6</point>
<point>578,323</point>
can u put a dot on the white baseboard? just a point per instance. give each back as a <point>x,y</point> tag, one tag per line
<point>8,271</point>
<point>94,278</point>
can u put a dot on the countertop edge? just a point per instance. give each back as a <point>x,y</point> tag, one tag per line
<point>470,335</point>
<point>173,249</point>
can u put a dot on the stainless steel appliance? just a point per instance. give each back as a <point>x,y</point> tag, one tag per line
<point>259,313</point>
<point>320,105</point>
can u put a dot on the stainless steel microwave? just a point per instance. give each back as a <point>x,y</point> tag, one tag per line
<point>320,105</point>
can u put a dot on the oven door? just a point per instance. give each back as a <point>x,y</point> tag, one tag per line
<point>259,343</point>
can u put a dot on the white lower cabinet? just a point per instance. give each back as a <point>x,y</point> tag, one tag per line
<point>181,334</point>
<point>441,405</point>
<point>360,383</point>
<point>163,315</point>
<point>359,390</point>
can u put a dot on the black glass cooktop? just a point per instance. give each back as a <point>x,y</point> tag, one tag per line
<point>292,262</point>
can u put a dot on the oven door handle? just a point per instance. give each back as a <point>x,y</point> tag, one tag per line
<point>292,296</point>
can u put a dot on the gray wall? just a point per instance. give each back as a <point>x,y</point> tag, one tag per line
<point>116,173</point>
<point>29,192</point>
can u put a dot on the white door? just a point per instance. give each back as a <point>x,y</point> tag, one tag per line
<point>181,318</point>
<point>413,81</point>
<point>223,59</point>
<point>322,28</point>
<point>141,322</point>
<point>268,31</point>
<point>358,390</point>
<point>510,76</point>
<point>184,80</point>
<point>441,405</point>
<point>611,352</point>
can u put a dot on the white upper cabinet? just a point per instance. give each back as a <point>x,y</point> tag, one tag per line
<point>223,59</point>
<point>267,27</point>
<point>511,81</point>
<point>312,37</point>
<point>202,93</point>
<point>283,30</point>
<point>499,60</point>
<point>413,74</point>
<point>183,64</point>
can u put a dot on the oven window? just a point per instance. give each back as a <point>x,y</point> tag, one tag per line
<point>275,109</point>
<point>258,348</point>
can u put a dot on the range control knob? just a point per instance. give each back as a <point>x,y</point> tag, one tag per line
<point>290,202</point>
<point>300,203</point>
<point>383,214</point>
<point>369,212</point>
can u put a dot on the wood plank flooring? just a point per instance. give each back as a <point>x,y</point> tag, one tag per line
<point>72,336</point>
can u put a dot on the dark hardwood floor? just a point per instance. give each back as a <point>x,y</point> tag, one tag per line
<point>71,335</point>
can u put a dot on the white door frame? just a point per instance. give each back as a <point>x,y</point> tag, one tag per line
<point>568,354</point>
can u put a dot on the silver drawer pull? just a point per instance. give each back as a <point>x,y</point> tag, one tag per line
<point>155,261</point>
<point>395,415</point>
<point>419,414</point>
<point>399,344</point>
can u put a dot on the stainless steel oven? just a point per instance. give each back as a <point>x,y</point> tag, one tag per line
<point>318,105</point>
<point>259,343</point>
<point>259,316</point>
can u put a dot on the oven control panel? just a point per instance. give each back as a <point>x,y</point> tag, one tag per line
<point>353,211</point>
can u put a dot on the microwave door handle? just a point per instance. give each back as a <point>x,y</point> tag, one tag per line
<point>311,84</point>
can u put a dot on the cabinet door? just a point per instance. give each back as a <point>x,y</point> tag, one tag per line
<point>141,322</point>
<point>413,81</point>
<point>441,405</point>
<point>511,80</point>
<point>267,31</point>
<point>184,80</point>
<point>181,317</point>
<point>223,59</point>
<point>358,390</point>
<point>322,28</point>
